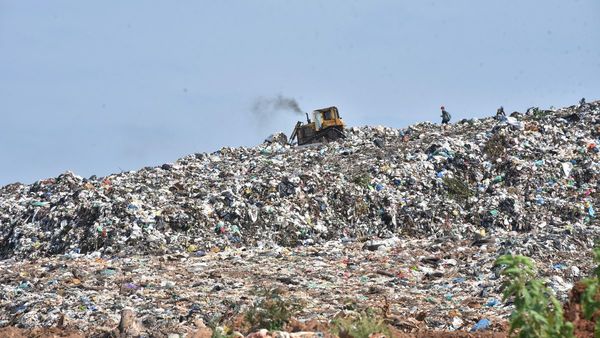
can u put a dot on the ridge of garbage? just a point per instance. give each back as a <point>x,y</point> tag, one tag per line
<point>535,172</point>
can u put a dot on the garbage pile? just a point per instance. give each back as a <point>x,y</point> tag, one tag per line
<point>535,172</point>
<point>409,221</point>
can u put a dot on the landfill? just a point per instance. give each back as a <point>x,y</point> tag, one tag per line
<point>408,219</point>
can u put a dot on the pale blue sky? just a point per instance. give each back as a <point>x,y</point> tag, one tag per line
<point>98,87</point>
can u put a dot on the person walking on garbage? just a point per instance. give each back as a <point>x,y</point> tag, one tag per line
<point>500,113</point>
<point>445,116</point>
<point>582,104</point>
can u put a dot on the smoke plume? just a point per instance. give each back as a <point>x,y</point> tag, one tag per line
<point>267,106</point>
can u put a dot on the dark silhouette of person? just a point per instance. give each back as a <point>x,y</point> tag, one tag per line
<point>445,116</point>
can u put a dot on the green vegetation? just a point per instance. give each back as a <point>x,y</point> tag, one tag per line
<point>362,180</point>
<point>589,299</point>
<point>537,312</point>
<point>360,326</point>
<point>495,147</point>
<point>219,332</point>
<point>539,114</point>
<point>457,188</point>
<point>271,311</point>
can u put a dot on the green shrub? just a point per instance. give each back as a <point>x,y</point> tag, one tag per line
<point>271,311</point>
<point>360,326</point>
<point>589,299</point>
<point>539,114</point>
<point>219,332</point>
<point>537,314</point>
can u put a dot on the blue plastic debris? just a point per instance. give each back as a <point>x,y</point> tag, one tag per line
<point>24,285</point>
<point>559,266</point>
<point>458,280</point>
<point>39,204</point>
<point>492,302</point>
<point>108,272</point>
<point>19,309</point>
<point>482,324</point>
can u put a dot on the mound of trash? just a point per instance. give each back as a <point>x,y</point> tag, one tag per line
<point>534,172</point>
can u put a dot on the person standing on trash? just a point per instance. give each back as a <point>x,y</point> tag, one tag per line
<point>445,116</point>
<point>500,113</point>
<point>582,103</point>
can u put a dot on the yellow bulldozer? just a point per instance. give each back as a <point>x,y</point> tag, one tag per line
<point>326,125</point>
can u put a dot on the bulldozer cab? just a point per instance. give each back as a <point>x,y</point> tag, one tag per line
<point>327,117</point>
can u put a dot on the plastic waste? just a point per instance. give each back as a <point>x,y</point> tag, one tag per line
<point>481,325</point>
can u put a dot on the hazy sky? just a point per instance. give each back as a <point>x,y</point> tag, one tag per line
<point>99,87</point>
